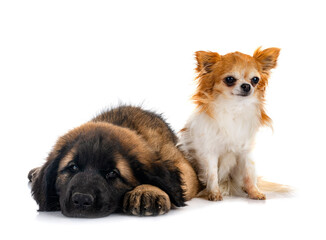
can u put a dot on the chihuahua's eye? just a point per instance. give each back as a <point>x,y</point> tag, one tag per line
<point>73,167</point>
<point>112,174</point>
<point>229,80</point>
<point>254,80</point>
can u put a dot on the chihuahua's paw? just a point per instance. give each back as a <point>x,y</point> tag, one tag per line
<point>211,196</point>
<point>257,196</point>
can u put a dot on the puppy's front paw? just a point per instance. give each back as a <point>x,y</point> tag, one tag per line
<point>146,200</point>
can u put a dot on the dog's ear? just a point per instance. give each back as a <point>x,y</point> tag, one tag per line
<point>267,58</point>
<point>43,185</point>
<point>205,61</point>
<point>167,177</point>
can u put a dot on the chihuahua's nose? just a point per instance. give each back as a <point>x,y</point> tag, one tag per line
<point>246,87</point>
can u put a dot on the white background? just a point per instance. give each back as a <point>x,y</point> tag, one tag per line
<point>62,62</point>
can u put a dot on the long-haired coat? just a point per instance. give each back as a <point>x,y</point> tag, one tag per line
<point>219,136</point>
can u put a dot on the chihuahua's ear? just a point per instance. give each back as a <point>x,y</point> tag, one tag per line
<point>267,58</point>
<point>205,60</point>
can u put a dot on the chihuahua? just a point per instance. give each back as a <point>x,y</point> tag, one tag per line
<point>219,136</point>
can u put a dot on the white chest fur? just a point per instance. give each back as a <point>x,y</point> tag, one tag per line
<point>223,138</point>
<point>236,121</point>
<point>232,129</point>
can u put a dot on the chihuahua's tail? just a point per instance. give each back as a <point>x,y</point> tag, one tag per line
<point>266,186</point>
<point>228,187</point>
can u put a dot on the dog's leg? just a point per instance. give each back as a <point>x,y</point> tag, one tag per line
<point>251,188</point>
<point>190,184</point>
<point>245,176</point>
<point>210,179</point>
<point>146,200</point>
<point>213,190</point>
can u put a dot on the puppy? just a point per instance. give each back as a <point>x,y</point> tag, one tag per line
<point>219,136</point>
<point>123,160</point>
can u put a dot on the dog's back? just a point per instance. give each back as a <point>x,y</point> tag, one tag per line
<point>151,126</point>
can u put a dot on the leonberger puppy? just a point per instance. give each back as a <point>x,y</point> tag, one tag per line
<point>123,160</point>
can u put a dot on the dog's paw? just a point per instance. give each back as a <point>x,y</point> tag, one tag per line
<point>257,196</point>
<point>146,200</point>
<point>214,196</point>
<point>211,196</point>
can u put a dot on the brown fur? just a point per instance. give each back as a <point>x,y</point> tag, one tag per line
<point>153,173</point>
<point>125,170</point>
<point>211,68</point>
<point>160,140</point>
<point>146,193</point>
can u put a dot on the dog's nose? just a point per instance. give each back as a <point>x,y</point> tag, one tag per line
<point>82,200</point>
<point>246,87</point>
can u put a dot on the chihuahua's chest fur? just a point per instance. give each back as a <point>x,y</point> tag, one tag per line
<point>222,137</point>
<point>236,121</point>
<point>231,128</point>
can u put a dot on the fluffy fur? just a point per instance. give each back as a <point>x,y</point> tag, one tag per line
<point>125,159</point>
<point>219,136</point>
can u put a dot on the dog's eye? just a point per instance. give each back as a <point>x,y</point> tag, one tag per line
<point>254,80</point>
<point>229,80</point>
<point>73,167</point>
<point>112,174</point>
